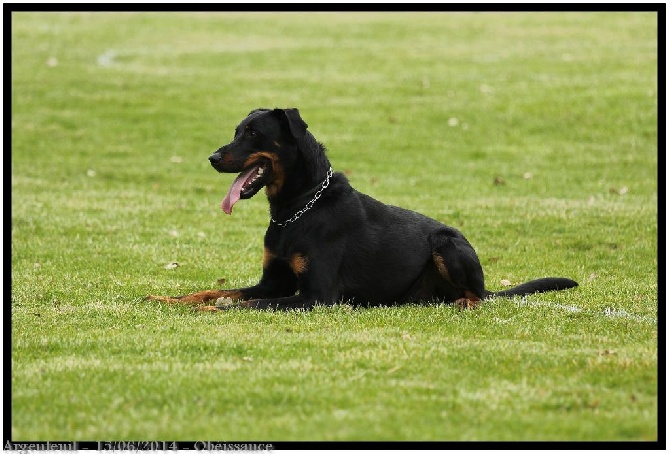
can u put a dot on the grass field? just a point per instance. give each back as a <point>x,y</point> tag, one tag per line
<point>535,134</point>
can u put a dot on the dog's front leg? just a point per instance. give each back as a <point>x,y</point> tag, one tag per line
<point>205,296</point>
<point>315,283</point>
<point>279,304</point>
<point>276,282</point>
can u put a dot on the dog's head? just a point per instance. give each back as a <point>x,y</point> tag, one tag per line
<point>263,150</point>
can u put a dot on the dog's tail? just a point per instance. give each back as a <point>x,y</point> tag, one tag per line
<point>546,284</point>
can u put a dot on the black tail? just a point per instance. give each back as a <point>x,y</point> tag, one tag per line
<point>546,284</point>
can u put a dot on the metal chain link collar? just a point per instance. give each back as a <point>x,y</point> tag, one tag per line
<point>309,205</point>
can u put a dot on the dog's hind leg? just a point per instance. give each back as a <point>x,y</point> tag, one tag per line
<point>459,266</point>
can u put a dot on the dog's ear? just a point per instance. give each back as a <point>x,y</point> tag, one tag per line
<point>296,124</point>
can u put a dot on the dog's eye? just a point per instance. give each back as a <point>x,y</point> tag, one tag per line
<point>251,133</point>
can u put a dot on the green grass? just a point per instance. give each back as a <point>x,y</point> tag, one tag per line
<point>114,116</point>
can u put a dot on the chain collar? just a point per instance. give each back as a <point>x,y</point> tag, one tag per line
<point>309,205</point>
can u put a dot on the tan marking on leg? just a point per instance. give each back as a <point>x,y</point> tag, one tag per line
<point>441,267</point>
<point>165,299</point>
<point>198,298</point>
<point>267,257</point>
<point>298,263</point>
<point>471,296</point>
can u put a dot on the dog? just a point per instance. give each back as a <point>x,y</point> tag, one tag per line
<point>327,243</point>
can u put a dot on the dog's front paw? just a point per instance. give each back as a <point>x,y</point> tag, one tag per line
<point>165,299</point>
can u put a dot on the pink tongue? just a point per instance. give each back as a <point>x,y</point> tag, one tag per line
<point>234,192</point>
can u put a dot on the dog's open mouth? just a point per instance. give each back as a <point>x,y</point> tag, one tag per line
<point>246,185</point>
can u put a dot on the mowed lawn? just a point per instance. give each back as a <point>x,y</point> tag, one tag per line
<point>535,134</point>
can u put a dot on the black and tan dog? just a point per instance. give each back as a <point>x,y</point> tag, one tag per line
<point>328,243</point>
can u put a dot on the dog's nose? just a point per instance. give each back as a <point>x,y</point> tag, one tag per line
<point>215,158</point>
